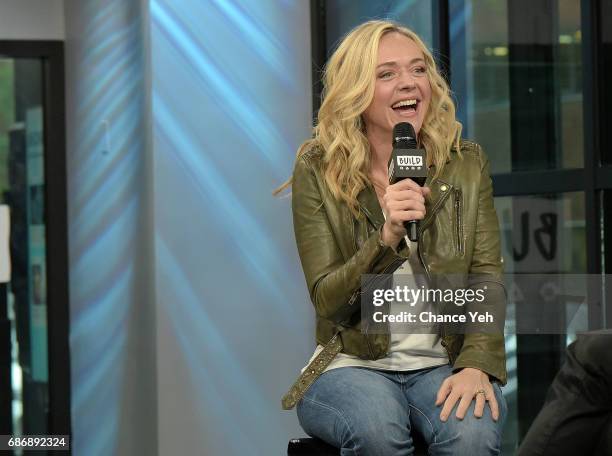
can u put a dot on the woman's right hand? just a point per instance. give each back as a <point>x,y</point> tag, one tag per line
<point>402,201</point>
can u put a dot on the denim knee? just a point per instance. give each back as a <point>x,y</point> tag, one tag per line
<point>368,434</point>
<point>470,436</point>
<point>368,437</point>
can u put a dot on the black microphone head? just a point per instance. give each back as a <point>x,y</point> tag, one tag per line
<point>404,135</point>
<point>406,159</point>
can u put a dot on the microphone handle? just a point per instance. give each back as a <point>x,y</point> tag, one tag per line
<point>412,225</point>
<point>411,229</point>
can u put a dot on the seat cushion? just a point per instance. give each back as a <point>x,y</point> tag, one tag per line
<point>316,447</point>
<point>310,446</point>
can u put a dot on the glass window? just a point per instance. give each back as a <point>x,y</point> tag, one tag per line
<point>606,224</point>
<point>516,75</point>
<point>22,188</point>
<point>343,15</point>
<point>605,55</point>
<point>543,233</point>
<point>540,234</point>
<point>480,77</point>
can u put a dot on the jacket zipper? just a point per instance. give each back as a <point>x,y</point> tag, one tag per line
<point>420,252</point>
<point>459,221</point>
<point>442,332</point>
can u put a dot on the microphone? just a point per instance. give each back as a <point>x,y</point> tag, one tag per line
<point>407,162</point>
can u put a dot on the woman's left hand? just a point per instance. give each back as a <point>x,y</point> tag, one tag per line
<point>464,386</point>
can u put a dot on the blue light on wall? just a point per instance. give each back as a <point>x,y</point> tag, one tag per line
<point>106,150</point>
<point>189,313</point>
<point>231,103</point>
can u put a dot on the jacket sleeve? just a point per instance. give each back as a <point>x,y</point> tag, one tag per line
<point>332,282</point>
<point>486,350</point>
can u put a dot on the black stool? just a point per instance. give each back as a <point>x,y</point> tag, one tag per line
<point>315,447</point>
<point>309,446</point>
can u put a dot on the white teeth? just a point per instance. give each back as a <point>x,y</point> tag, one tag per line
<point>404,103</point>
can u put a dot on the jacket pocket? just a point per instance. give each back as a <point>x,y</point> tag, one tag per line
<point>458,209</point>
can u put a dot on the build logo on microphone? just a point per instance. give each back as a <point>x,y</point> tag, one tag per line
<point>410,160</point>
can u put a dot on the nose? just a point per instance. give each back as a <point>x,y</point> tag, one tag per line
<point>406,82</point>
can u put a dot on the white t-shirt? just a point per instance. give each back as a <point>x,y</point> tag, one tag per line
<point>406,351</point>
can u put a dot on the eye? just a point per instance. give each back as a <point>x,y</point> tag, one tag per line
<point>421,70</point>
<point>385,75</point>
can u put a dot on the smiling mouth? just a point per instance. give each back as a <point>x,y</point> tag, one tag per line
<point>406,106</point>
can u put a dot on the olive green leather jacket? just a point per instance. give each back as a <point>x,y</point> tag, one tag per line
<point>459,235</point>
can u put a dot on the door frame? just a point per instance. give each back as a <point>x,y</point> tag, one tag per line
<point>56,222</point>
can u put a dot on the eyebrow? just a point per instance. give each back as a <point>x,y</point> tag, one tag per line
<point>394,63</point>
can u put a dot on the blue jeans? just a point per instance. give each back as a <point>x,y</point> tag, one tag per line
<point>372,412</point>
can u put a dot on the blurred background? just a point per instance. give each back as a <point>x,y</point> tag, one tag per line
<point>156,303</point>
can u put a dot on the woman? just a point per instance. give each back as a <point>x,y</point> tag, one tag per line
<point>369,393</point>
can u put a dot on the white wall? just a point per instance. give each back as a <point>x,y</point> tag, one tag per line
<point>32,19</point>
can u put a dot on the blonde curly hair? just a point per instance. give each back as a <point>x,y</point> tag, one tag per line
<point>349,80</point>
